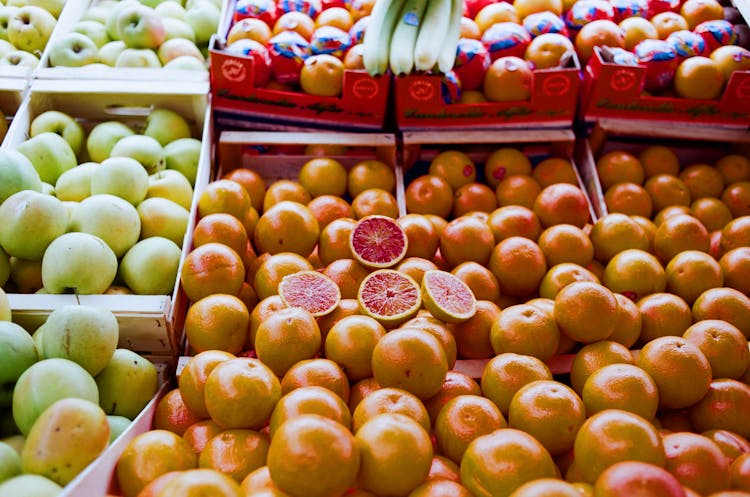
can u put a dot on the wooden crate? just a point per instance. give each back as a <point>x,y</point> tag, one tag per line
<point>12,91</point>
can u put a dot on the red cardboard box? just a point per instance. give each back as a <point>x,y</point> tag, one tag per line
<point>615,91</point>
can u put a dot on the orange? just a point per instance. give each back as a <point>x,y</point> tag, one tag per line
<point>415,267</point>
<point>198,434</point>
<point>629,322</point>
<point>270,272</point>
<point>287,227</point>
<point>554,170</point>
<point>658,159</point>
<point>619,166</point>
<point>634,273</point>
<point>350,343</point>
<point>494,13</point>
<point>699,77</point>
<point>429,194</point>
<point>211,268</point>
<point>346,307</point>
<point>722,407</point>
<point>333,243</point>
<point>309,400</point>
<point>173,414</point>
<point>323,176</point>
<point>586,311</point>
<point>736,233</point>
<point>317,447</point>
<point>731,58</point>
<point>295,21</point>
<point>443,468</point>
<point>473,337</point>
<point>514,220</point>
<point>680,233</point>
<point>217,322</point>
<point>562,204</point>
<point>508,79</point>
<point>285,189</point>
<point>740,475</point>
<point>370,173</point>
<point>252,182</point>
<point>525,329</point>
<point>455,384</point>
<point>197,482</point>
<point>712,212</point>
<point>670,211</point>
<point>221,228</point>
<point>630,199</point>
<point>549,411</point>
<point>698,11</point>
<point>517,190</point>
<point>637,478</point>
<point>470,96</point>
<point>702,180</point>
<point>466,239</point>
<point>735,264</point>
<point>439,329</point>
<point>440,488</point>
<point>479,279</point>
<point>455,167</point>
<point>649,227</point>
<point>730,443</point>
<point>724,303</point>
<point>613,233</point>
<point>666,190</point>
<point>613,436</point>
<point>396,454</point>
<point>526,7</point>
<point>360,390</point>
<point>328,208</point>
<point>621,386</point>
<point>422,236</point>
<point>673,420</point>
<point>389,401</point>
<point>692,272</point>
<point>505,374</point>
<point>547,487</point>
<point>697,462</point>
<point>259,483</point>
<point>235,453</point>
<point>316,372</point>
<point>192,379</point>
<point>503,163</point>
<point>347,274</point>
<point>734,168</point>
<point>681,371</point>
<point>519,266</point>
<point>598,33</point>
<point>469,29</point>
<point>224,196</point>
<point>595,356</point>
<point>338,17</point>
<point>663,314</point>
<point>463,419</point>
<point>566,243</point>
<point>265,308</point>
<point>157,484</point>
<point>473,197</point>
<point>322,75</point>
<point>375,201</point>
<point>500,462</point>
<point>668,22</point>
<point>241,393</point>
<point>560,276</point>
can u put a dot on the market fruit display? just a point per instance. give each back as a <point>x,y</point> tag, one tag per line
<point>26,29</point>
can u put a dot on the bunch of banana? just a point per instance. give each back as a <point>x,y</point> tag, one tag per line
<point>412,34</point>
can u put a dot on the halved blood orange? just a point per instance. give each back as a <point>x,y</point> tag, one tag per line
<point>312,291</point>
<point>447,297</point>
<point>378,242</point>
<point>389,296</point>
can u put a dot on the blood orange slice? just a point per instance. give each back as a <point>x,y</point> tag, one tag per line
<point>447,297</point>
<point>312,291</point>
<point>389,296</point>
<point>378,242</point>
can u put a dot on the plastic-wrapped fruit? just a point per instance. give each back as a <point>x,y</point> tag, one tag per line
<point>544,22</point>
<point>322,75</point>
<point>506,39</point>
<point>265,10</point>
<point>450,88</point>
<point>353,57</point>
<point>288,51</point>
<point>310,7</point>
<point>470,29</point>
<point>658,6</point>
<point>327,4</point>
<point>261,58</point>
<point>687,44</point>
<point>661,63</point>
<point>585,11</point>
<point>629,8</point>
<point>472,7</point>
<point>472,61</point>
<point>508,79</point>
<point>357,31</point>
<point>331,41</point>
<point>622,57</point>
<point>716,34</point>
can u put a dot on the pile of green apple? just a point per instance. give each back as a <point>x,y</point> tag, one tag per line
<point>96,212</point>
<point>145,33</point>
<point>25,28</point>
<point>69,392</point>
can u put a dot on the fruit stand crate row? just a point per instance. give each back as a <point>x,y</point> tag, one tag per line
<point>612,90</point>
<point>420,104</point>
<point>150,322</point>
<point>692,144</point>
<point>12,91</point>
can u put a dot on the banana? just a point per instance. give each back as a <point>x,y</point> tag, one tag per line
<point>405,36</point>
<point>447,56</point>
<point>434,25</point>
<point>376,43</point>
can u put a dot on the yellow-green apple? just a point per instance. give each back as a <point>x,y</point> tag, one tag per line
<point>140,26</point>
<point>127,384</point>
<point>176,28</point>
<point>162,217</point>
<point>117,425</point>
<point>73,50</point>
<point>165,126</point>
<point>30,28</point>
<point>109,52</point>
<point>70,207</point>
<point>32,485</point>
<point>6,14</point>
<point>190,3</point>
<point>96,31</point>
<point>16,173</point>
<point>5,312</point>
<point>186,63</point>
<point>178,47</point>
<point>4,276</point>
<point>57,122</point>
<point>138,57</point>
<point>17,354</point>
<point>100,11</point>
<point>150,266</point>
<point>30,222</point>
<point>19,58</point>
<point>118,290</point>
<point>10,462</point>
<point>26,275</point>
<point>121,176</point>
<point>111,218</point>
<point>6,47</point>
<point>50,154</point>
<point>54,7</point>
<point>171,184</point>
<point>84,334</point>
<point>145,149</point>
<point>48,189</point>
<point>103,137</point>
<point>114,12</point>
<point>203,16</point>
<point>38,338</point>
<point>170,10</point>
<point>74,184</point>
<point>183,155</point>
<point>46,382</point>
<point>79,263</point>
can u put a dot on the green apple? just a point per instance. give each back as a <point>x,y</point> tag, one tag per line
<point>162,217</point>
<point>30,28</point>
<point>80,263</point>
<point>165,126</point>
<point>84,334</point>
<point>70,207</point>
<point>7,47</point>
<point>173,185</point>
<point>19,58</point>
<point>150,266</point>
<point>96,31</point>
<point>6,14</point>
<point>75,184</point>
<point>186,63</point>
<point>10,462</point>
<point>4,275</point>
<point>99,11</point>
<point>138,57</point>
<point>50,154</point>
<point>155,3</point>
<point>144,149</point>
<point>45,382</point>
<point>191,3</point>
<point>203,17</point>
<point>177,28</point>
<point>117,425</point>
<point>38,338</point>
<point>140,26</point>
<point>57,122</point>
<point>31,221</point>
<point>170,10</point>
<point>127,384</point>
<point>183,155</point>
<point>109,52</point>
<point>177,47</point>
<point>54,7</point>
<point>16,173</point>
<point>73,50</point>
<point>121,176</point>
<point>103,137</point>
<point>111,218</point>
<point>15,441</point>
<point>30,486</point>
<point>17,354</point>
<point>26,275</point>
<point>111,22</point>
<point>48,189</point>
